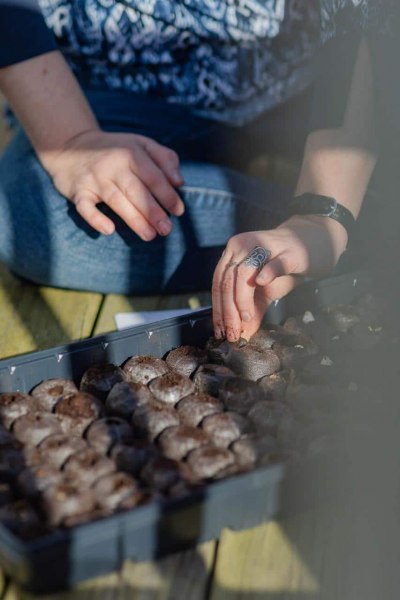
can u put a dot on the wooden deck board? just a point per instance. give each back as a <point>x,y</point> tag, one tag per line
<point>179,577</point>
<point>33,318</point>
<point>298,558</point>
<point>183,576</point>
<point>262,563</point>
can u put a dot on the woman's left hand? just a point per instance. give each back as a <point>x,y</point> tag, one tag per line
<point>301,246</point>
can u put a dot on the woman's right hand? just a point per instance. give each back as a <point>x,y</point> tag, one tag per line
<point>134,175</point>
<point>308,245</point>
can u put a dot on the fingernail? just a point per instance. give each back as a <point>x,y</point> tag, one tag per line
<point>260,280</point>
<point>246,316</point>
<point>176,175</point>
<point>179,210</point>
<point>231,337</point>
<point>217,334</point>
<point>108,229</point>
<point>164,226</point>
<point>149,234</point>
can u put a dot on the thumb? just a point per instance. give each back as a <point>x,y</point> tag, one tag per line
<point>281,286</point>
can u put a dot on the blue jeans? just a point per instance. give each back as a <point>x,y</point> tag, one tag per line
<point>43,239</point>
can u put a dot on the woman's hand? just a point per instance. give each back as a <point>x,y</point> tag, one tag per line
<point>301,246</point>
<point>134,175</point>
<point>131,173</point>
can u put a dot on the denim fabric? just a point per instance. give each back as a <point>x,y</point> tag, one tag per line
<point>43,239</point>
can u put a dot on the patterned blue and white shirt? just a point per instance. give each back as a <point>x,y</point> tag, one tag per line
<point>228,60</point>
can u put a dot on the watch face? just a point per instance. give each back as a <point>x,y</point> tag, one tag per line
<point>331,207</point>
<point>321,206</point>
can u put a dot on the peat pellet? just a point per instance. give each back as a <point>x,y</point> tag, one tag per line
<point>161,473</point>
<point>275,385</point>
<point>98,380</point>
<point>194,408</point>
<point>208,378</point>
<point>253,449</point>
<point>77,410</point>
<point>87,466</point>
<point>57,448</point>
<point>117,490</point>
<point>176,442</point>
<point>125,397</point>
<point>66,500</point>
<point>33,428</point>
<point>14,405</point>
<point>171,387</point>
<point>143,369</point>
<point>49,391</point>
<point>22,519</point>
<point>240,395</point>
<point>149,421</point>
<point>207,461</point>
<point>133,455</point>
<point>225,428</point>
<point>186,359</point>
<point>31,482</point>
<point>103,433</point>
<point>252,363</point>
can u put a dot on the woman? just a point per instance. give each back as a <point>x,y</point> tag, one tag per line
<point>121,104</point>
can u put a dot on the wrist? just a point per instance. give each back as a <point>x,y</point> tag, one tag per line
<point>333,231</point>
<point>310,203</point>
<point>49,157</point>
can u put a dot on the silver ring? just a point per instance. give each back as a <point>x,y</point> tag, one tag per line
<point>257,258</point>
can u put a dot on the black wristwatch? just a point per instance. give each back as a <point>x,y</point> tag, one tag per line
<point>314,204</point>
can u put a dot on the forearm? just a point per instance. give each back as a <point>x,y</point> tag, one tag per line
<point>48,102</point>
<point>340,162</point>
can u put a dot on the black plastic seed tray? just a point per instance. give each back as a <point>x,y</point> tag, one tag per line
<point>63,558</point>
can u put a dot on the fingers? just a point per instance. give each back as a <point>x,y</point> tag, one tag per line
<point>280,287</point>
<point>85,203</point>
<point>153,177</point>
<point>128,212</point>
<point>165,158</point>
<point>244,300</point>
<point>134,175</point>
<point>228,321</point>
<point>139,196</point>
<point>217,313</point>
<point>241,293</point>
<point>232,320</point>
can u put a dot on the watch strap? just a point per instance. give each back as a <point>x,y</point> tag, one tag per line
<point>325,206</point>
